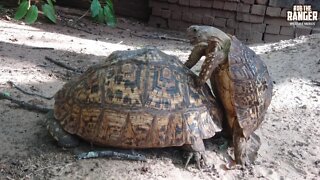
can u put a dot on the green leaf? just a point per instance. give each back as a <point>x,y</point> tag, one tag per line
<point>100,17</point>
<point>49,12</point>
<point>110,4</point>
<point>110,19</point>
<point>32,14</point>
<point>95,8</point>
<point>22,10</point>
<point>50,2</point>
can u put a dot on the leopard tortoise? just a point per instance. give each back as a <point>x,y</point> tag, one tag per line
<point>240,80</point>
<point>136,99</point>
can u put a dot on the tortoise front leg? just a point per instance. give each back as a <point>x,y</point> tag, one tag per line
<point>64,138</point>
<point>197,52</point>
<point>195,150</point>
<point>212,61</point>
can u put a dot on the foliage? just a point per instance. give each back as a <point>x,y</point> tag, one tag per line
<point>30,12</point>
<point>103,14</point>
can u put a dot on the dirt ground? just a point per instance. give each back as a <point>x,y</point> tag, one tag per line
<point>290,134</point>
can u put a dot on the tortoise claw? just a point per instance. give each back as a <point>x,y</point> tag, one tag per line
<point>198,157</point>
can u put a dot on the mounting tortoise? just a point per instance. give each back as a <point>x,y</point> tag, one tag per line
<point>240,80</point>
<point>136,99</point>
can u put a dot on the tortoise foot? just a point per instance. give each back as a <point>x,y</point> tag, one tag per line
<point>246,149</point>
<point>199,158</point>
<point>63,138</point>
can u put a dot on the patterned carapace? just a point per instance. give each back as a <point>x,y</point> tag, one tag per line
<point>138,99</point>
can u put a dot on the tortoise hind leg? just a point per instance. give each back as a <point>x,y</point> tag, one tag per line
<point>245,149</point>
<point>195,150</point>
<point>64,138</point>
<point>239,143</point>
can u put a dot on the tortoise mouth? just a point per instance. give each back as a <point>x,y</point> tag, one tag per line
<point>193,40</point>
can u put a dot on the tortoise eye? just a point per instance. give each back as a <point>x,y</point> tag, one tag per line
<point>194,30</point>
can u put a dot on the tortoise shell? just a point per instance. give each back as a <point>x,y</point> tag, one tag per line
<point>138,99</point>
<point>244,86</point>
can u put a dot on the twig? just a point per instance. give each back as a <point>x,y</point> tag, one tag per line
<point>24,105</point>
<point>82,16</point>
<point>62,65</point>
<point>160,37</point>
<point>44,48</point>
<point>106,153</point>
<point>25,92</point>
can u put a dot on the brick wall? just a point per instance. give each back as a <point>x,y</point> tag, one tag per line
<point>251,21</point>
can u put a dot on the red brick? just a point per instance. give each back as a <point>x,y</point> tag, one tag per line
<point>258,9</point>
<point>224,14</point>
<point>231,23</point>
<point>230,6</point>
<point>218,4</point>
<point>275,38</point>
<point>284,13</point>
<point>158,22</point>
<point>242,34</point>
<point>220,22</point>
<point>255,37</point>
<point>205,3</point>
<point>176,15</point>
<point>195,3</point>
<point>178,25</point>
<point>230,31</point>
<point>301,31</point>
<point>276,21</point>
<point>196,18</point>
<point>208,20</point>
<point>244,26</point>
<point>273,29</point>
<point>249,18</point>
<point>176,11</point>
<point>258,27</point>
<point>203,11</point>
<point>158,4</point>
<point>156,11</point>
<point>263,2</point>
<point>273,11</point>
<point>186,16</point>
<point>281,3</point>
<point>245,8</point>
<point>184,2</point>
<point>248,1</point>
<point>287,31</point>
<point>165,13</point>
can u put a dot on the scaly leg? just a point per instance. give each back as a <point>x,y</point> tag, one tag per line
<point>211,62</point>
<point>197,52</point>
<point>240,144</point>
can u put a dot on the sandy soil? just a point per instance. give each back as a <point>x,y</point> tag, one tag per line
<point>290,134</point>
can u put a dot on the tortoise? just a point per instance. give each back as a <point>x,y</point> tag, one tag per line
<point>239,79</point>
<point>136,99</point>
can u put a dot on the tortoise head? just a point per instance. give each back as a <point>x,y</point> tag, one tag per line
<point>198,34</point>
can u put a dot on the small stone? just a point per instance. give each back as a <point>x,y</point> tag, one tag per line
<point>304,107</point>
<point>7,18</point>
